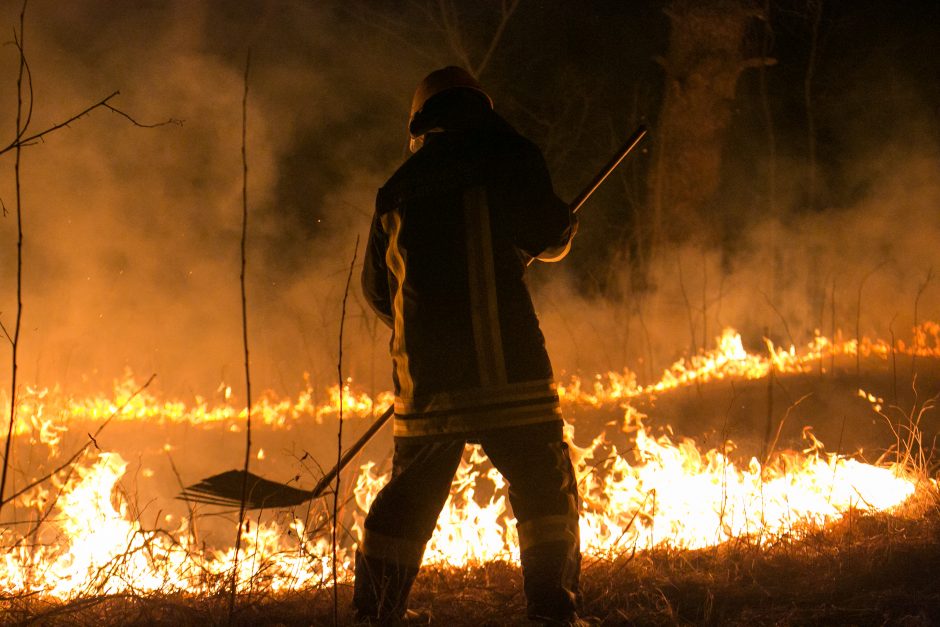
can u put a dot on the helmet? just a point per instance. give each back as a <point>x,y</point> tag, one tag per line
<point>445,79</point>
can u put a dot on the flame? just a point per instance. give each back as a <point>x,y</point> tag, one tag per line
<point>78,534</point>
<point>94,546</point>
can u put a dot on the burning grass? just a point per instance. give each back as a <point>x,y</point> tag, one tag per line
<point>867,569</point>
<point>672,532</point>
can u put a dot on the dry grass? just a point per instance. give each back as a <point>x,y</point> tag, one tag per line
<point>869,569</point>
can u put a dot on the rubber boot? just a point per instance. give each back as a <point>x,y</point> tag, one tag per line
<point>380,594</point>
<point>550,572</point>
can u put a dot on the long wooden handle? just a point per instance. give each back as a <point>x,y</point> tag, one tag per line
<point>626,149</point>
<point>620,155</point>
<point>351,452</point>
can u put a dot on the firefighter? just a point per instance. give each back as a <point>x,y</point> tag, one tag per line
<point>453,231</point>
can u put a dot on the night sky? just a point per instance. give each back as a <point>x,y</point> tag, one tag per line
<point>132,234</point>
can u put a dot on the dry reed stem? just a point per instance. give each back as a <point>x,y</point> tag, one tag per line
<point>17,144</point>
<point>244,304</point>
<point>339,433</point>
<point>866,569</point>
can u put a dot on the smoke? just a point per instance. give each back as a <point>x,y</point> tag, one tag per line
<point>132,234</point>
<point>867,263</point>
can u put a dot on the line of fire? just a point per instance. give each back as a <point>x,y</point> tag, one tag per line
<point>202,402</point>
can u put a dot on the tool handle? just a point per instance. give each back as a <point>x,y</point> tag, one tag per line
<point>351,452</point>
<point>626,149</point>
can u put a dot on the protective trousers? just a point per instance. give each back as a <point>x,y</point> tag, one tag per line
<point>542,491</point>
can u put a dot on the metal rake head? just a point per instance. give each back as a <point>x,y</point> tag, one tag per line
<point>225,489</point>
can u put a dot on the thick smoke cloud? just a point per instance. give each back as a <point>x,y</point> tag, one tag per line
<point>132,234</point>
<point>780,285</point>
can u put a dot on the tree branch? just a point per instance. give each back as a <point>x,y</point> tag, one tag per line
<point>339,431</point>
<point>135,122</point>
<point>6,333</point>
<point>27,74</point>
<point>91,440</point>
<point>450,22</point>
<point>25,141</point>
<point>506,14</point>
<point>379,21</point>
<point>103,103</point>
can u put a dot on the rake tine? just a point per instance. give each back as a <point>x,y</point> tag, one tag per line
<point>202,500</point>
<point>208,499</point>
<point>225,489</point>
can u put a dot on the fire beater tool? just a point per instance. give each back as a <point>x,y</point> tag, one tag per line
<point>225,489</point>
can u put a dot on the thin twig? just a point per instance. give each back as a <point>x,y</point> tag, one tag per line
<point>28,75</point>
<point>189,506</point>
<point>820,329</point>
<point>688,305</point>
<point>402,32</point>
<point>339,433</point>
<point>767,44</point>
<point>646,337</point>
<point>770,407</point>
<point>505,13</point>
<point>25,141</point>
<point>91,440</point>
<point>858,323</point>
<point>920,292</point>
<point>783,319</point>
<point>103,103</point>
<point>704,299</point>
<point>6,333</point>
<point>244,249</point>
<point>894,359</point>
<point>450,24</point>
<point>773,444</point>
<point>832,329</point>
<point>135,122</point>
<point>816,9</point>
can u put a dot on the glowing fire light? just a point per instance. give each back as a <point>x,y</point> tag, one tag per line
<point>82,537</point>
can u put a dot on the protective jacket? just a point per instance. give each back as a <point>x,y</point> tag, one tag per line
<point>453,231</point>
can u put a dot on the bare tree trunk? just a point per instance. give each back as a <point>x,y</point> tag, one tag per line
<point>767,42</point>
<point>702,65</point>
<point>814,7</point>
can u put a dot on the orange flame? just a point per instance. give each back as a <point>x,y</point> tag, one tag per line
<point>82,537</point>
